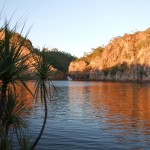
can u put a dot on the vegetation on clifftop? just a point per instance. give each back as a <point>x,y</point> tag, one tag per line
<point>60,60</point>
<point>96,52</point>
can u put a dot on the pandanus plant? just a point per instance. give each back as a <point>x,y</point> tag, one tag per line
<point>12,63</point>
<point>13,67</point>
<point>42,85</point>
<point>12,120</point>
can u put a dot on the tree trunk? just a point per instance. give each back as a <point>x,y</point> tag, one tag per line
<point>3,100</point>
<point>45,118</point>
<point>3,103</point>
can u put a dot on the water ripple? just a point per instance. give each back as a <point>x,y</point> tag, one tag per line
<point>95,116</point>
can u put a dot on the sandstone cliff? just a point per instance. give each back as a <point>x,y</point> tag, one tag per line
<point>125,58</point>
<point>16,39</point>
<point>27,48</point>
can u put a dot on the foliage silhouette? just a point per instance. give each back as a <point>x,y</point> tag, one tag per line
<point>42,85</point>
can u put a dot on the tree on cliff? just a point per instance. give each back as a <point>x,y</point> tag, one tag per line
<point>96,52</point>
<point>58,59</point>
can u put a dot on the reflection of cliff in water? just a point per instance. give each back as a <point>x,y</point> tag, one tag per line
<point>23,93</point>
<point>130,102</point>
<point>123,104</point>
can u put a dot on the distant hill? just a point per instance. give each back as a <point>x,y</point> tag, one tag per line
<point>125,58</point>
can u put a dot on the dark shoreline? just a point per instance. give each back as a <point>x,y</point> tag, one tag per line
<point>120,81</point>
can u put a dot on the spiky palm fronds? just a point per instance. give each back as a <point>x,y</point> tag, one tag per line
<point>42,86</point>
<point>12,119</point>
<point>42,74</point>
<point>12,63</point>
<point>13,112</point>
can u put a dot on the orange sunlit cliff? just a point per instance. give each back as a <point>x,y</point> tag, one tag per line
<point>125,58</point>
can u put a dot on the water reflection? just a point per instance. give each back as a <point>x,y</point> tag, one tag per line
<point>131,101</point>
<point>24,94</point>
<point>124,107</point>
<point>94,115</point>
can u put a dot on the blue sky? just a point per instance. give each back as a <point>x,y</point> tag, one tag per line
<point>76,26</point>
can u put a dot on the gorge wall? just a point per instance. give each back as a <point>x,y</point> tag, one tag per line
<point>27,48</point>
<point>125,58</point>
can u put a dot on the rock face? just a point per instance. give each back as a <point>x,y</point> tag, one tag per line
<point>78,70</point>
<point>16,39</point>
<point>125,58</point>
<point>26,48</point>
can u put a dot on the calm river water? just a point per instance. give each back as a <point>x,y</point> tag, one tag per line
<point>93,116</point>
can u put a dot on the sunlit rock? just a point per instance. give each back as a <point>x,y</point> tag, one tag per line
<point>125,58</point>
